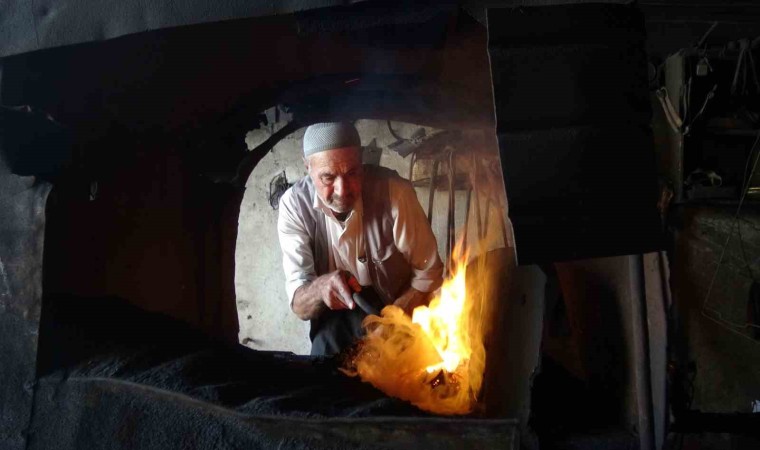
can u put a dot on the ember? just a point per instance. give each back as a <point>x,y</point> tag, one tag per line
<point>435,359</point>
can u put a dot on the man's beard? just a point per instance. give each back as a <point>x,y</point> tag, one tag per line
<point>341,204</point>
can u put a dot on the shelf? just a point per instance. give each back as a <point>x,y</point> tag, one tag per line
<point>752,203</point>
<point>732,132</point>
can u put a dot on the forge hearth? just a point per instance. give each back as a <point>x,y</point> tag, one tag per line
<point>112,376</point>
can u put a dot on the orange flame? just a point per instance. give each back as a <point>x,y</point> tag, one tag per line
<point>445,324</point>
<point>434,360</point>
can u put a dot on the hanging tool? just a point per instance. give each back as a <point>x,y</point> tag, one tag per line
<point>670,112</point>
<point>744,45</point>
<point>708,97</point>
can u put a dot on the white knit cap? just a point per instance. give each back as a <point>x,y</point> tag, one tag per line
<point>327,136</point>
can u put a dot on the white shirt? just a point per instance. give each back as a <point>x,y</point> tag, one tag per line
<point>346,241</point>
<point>412,235</point>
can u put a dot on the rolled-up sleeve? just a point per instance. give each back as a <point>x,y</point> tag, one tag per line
<point>297,257</point>
<point>414,237</point>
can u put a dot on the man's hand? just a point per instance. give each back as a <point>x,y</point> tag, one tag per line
<point>330,290</point>
<point>411,299</point>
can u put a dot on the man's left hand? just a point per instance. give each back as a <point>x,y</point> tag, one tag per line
<point>411,299</point>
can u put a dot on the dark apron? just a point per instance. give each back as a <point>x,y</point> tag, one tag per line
<point>334,331</point>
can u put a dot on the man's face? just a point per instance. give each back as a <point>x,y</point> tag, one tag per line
<point>337,176</point>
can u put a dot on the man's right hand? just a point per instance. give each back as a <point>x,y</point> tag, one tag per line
<point>330,290</point>
<point>334,290</point>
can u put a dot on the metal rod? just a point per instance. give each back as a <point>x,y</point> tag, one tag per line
<point>504,227</point>
<point>466,216</point>
<point>474,176</point>
<point>487,214</point>
<point>450,217</point>
<point>431,194</point>
<point>411,166</point>
<point>642,366</point>
<point>478,219</point>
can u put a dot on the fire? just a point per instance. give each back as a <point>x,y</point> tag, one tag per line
<point>435,359</point>
<point>445,323</point>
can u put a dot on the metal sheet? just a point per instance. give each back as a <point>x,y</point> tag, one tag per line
<point>514,333</point>
<point>573,113</point>
<point>22,229</point>
<point>27,25</point>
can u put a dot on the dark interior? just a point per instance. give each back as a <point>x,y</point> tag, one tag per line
<point>159,120</point>
<point>140,163</point>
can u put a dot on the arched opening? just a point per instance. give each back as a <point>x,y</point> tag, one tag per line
<point>413,151</point>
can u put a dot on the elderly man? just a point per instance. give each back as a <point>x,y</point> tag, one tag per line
<point>345,222</point>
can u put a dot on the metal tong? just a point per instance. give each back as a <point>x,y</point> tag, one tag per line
<point>366,298</point>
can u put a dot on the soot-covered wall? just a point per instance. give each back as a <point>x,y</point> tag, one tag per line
<point>151,233</point>
<point>157,116</point>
